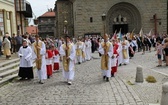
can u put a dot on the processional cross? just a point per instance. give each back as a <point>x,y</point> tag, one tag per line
<point>155,19</point>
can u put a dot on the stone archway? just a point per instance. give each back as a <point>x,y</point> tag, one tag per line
<point>124,15</point>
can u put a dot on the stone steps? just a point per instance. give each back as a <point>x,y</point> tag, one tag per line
<point>7,79</point>
<point>8,62</point>
<point>9,66</point>
<point>9,70</point>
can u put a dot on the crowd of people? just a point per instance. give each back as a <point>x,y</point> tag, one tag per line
<point>48,53</point>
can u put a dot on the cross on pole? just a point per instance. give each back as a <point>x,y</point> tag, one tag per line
<point>65,14</point>
<point>155,19</point>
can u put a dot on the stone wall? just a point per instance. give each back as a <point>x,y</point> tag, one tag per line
<point>64,11</point>
<point>84,9</point>
<point>139,15</point>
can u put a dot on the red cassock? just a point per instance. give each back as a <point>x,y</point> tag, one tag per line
<point>114,69</point>
<point>49,62</point>
<point>56,60</point>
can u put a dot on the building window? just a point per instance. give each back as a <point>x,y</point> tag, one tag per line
<point>91,19</point>
<point>1,24</point>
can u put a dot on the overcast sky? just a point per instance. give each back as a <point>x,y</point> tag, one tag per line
<point>39,7</point>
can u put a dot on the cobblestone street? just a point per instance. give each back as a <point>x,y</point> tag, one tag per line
<point>88,87</point>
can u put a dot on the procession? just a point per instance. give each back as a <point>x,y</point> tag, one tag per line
<point>83,52</point>
<point>49,54</point>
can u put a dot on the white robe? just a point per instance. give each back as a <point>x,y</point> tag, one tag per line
<point>56,58</point>
<point>107,73</point>
<point>49,61</point>
<point>71,73</point>
<point>42,74</point>
<point>114,61</point>
<point>83,50</point>
<point>25,55</point>
<point>120,57</point>
<point>88,50</point>
<point>126,61</point>
<point>79,58</point>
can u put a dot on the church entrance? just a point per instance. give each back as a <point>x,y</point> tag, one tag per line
<point>124,16</point>
<point>122,27</point>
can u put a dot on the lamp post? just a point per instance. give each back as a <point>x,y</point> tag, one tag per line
<point>104,20</point>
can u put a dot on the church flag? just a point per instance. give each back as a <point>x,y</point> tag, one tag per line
<point>150,33</point>
<point>115,35</point>
<point>141,33</point>
<point>119,34</point>
<point>132,34</point>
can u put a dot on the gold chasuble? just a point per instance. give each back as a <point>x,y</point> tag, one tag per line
<point>105,58</point>
<point>65,61</point>
<point>37,52</point>
<point>78,50</point>
<point>83,53</point>
<point>124,51</point>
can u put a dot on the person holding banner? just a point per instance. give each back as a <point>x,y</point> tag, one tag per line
<point>67,51</point>
<point>106,51</point>
<point>39,52</point>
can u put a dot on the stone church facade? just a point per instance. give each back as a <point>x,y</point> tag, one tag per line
<point>84,17</point>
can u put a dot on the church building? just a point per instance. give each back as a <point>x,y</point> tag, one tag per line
<point>96,17</point>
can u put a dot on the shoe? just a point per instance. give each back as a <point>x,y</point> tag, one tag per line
<point>21,79</point>
<point>41,82</point>
<point>119,64</point>
<point>69,83</point>
<point>104,77</point>
<point>107,79</point>
<point>48,77</point>
<point>112,75</point>
<point>79,63</point>
<point>158,65</point>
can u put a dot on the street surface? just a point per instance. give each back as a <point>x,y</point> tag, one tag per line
<point>88,88</point>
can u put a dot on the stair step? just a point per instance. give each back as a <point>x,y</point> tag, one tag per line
<point>11,66</point>
<point>9,72</point>
<point>8,78</point>
<point>8,75</point>
<point>8,62</point>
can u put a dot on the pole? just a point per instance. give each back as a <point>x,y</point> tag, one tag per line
<point>16,17</point>
<point>155,20</point>
<point>20,17</point>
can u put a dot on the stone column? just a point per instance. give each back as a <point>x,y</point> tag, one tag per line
<point>4,20</point>
<point>164,99</point>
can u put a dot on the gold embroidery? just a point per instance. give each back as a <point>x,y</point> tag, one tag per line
<point>65,61</point>
<point>104,58</point>
<point>37,52</point>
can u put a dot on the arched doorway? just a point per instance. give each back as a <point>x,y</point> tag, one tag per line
<point>123,16</point>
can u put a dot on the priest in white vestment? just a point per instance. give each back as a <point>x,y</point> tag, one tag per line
<point>39,52</point>
<point>67,51</point>
<point>119,50</point>
<point>88,49</point>
<point>106,51</point>
<point>125,51</point>
<point>78,47</point>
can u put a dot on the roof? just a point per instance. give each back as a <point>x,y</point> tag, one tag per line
<point>48,14</point>
<point>32,29</point>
